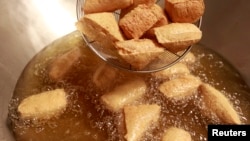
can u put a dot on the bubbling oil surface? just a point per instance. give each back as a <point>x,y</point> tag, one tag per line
<point>87,119</point>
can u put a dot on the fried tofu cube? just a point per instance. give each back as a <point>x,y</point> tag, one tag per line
<point>185,11</point>
<point>217,105</point>
<point>177,69</point>
<point>140,19</point>
<point>105,23</point>
<point>43,105</point>
<point>138,120</point>
<point>94,37</point>
<point>125,94</point>
<point>63,64</point>
<point>177,36</point>
<point>176,134</point>
<point>96,6</point>
<point>181,87</point>
<point>139,52</point>
<point>101,30</point>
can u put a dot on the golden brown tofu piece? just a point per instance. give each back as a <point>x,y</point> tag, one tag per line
<point>94,37</point>
<point>177,36</point>
<point>185,11</point>
<point>125,94</point>
<point>180,87</point>
<point>102,31</point>
<point>175,70</point>
<point>105,23</point>
<point>63,64</point>
<point>138,120</point>
<point>139,53</point>
<point>140,19</point>
<point>176,134</point>
<point>43,105</point>
<point>87,30</point>
<point>104,76</point>
<point>96,6</point>
<point>217,105</point>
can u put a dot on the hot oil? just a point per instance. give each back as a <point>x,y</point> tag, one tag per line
<point>87,119</point>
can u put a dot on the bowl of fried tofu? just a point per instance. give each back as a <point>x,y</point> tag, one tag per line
<point>140,35</point>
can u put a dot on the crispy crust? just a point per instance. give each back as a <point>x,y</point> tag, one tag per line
<point>105,22</point>
<point>139,52</point>
<point>135,23</point>
<point>100,26</point>
<point>185,10</point>
<point>177,36</point>
<point>94,6</point>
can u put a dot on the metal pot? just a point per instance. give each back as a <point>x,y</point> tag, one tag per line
<point>28,26</point>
